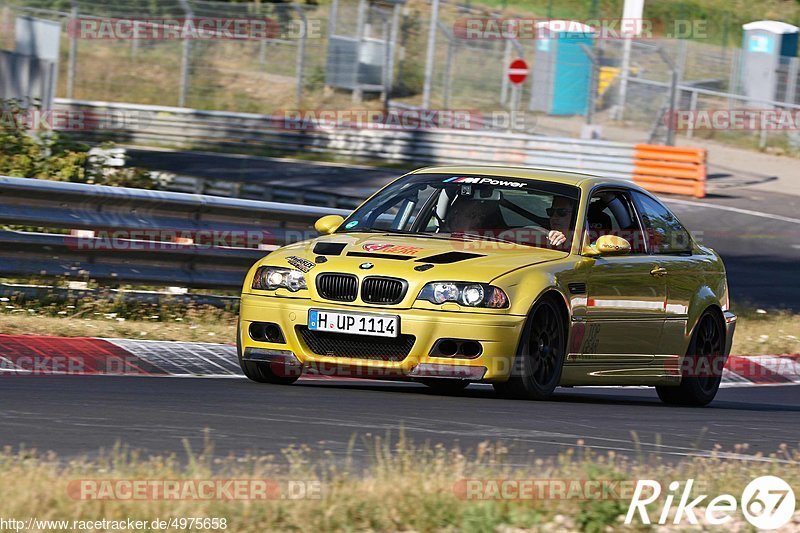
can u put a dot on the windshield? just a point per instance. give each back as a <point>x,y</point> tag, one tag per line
<point>480,207</point>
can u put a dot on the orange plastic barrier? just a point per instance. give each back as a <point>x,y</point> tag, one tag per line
<point>671,169</point>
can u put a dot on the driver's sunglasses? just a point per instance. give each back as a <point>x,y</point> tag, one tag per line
<point>559,211</point>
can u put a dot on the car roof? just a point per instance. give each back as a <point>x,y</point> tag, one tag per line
<point>564,177</point>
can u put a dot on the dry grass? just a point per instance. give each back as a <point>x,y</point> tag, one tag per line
<point>88,317</point>
<point>758,332</point>
<point>767,333</point>
<point>402,488</point>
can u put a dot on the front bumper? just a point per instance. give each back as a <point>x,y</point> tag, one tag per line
<point>498,335</point>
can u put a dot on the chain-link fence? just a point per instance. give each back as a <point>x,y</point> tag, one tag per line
<point>361,53</point>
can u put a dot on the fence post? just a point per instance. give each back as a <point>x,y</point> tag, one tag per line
<point>430,56</point>
<point>590,108</point>
<point>301,56</point>
<point>185,54</point>
<point>627,42</point>
<point>504,79</point>
<point>692,109</point>
<point>395,28</point>
<point>673,94</point>
<point>360,23</point>
<point>791,81</point>
<point>73,51</point>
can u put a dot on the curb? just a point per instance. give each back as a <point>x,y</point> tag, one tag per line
<point>34,354</point>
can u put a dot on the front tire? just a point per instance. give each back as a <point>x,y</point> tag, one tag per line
<point>540,356</point>
<point>703,357</point>
<point>258,371</point>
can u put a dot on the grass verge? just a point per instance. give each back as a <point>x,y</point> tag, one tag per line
<point>402,487</point>
<point>757,332</point>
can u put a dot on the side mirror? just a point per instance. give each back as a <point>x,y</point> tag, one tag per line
<point>328,224</point>
<point>608,245</point>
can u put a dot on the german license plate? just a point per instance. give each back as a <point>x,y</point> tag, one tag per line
<point>355,323</point>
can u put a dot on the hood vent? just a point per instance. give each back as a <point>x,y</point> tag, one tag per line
<point>449,257</point>
<point>329,248</point>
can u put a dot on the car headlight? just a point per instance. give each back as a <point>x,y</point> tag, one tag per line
<point>271,278</point>
<point>468,294</point>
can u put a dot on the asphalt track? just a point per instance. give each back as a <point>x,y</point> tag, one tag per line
<point>77,415</point>
<point>757,233</point>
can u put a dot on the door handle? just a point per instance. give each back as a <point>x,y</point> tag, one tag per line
<point>658,271</point>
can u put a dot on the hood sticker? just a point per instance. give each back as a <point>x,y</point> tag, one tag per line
<point>303,265</point>
<point>387,248</point>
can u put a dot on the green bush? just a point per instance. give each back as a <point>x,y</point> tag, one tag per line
<point>44,154</point>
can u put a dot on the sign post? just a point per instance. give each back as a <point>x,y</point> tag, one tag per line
<point>517,73</point>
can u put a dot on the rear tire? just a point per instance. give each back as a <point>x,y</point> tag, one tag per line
<point>540,356</point>
<point>705,350</point>
<point>261,372</point>
<point>446,386</point>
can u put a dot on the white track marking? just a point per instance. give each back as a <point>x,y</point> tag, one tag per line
<point>735,210</point>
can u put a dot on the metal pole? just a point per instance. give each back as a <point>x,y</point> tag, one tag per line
<point>692,109</point>
<point>504,83</point>
<point>387,53</point>
<point>623,81</point>
<point>360,22</point>
<point>673,95</point>
<point>448,72</point>
<point>393,41</point>
<point>73,54</point>
<point>301,57</point>
<point>186,55</point>
<point>334,12</point>
<point>426,90</point>
<point>791,84</point>
<point>591,105</point>
<point>514,105</point>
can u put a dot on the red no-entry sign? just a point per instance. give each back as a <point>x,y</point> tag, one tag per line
<point>517,71</point>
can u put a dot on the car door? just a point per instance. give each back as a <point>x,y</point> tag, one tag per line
<point>626,294</point>
<point>670,247</point>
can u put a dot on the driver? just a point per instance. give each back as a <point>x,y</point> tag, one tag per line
<point>560,213</point>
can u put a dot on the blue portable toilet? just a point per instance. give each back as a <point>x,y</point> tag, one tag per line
<point>562,71</point>
<point>766,46</point>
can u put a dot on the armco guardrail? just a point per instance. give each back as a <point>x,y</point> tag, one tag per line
<point>168,181</point>
<point>191,128</point>
<point>132,230</point>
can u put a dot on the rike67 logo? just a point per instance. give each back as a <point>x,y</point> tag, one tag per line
<point>767,502</point>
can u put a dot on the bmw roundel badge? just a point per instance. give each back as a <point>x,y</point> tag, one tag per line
<point>365,266</point>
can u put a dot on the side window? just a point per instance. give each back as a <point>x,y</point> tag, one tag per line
<point>664,233</point>
<point>612,213</point>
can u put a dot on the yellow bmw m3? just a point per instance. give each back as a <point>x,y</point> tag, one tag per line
<point>526,279</point>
